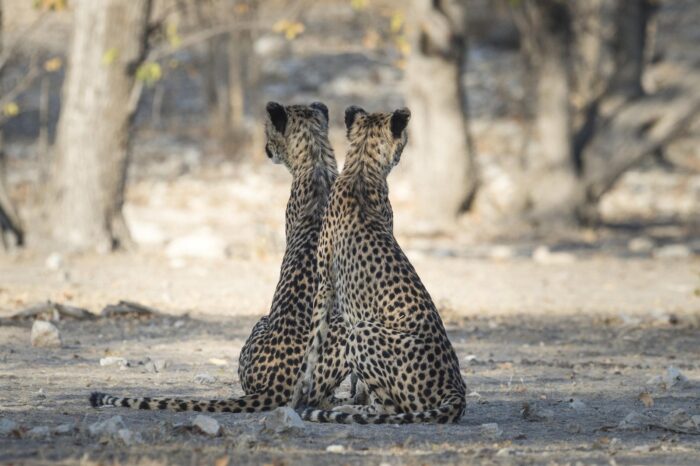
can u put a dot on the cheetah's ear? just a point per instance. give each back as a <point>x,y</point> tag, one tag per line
<point>321,107</point>
<point>399,121</point>
<point>278,116</point>
<point>350,114</point>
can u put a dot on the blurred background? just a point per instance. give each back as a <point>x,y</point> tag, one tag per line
<point>545,131</point>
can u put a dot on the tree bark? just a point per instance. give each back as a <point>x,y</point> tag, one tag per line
<point>549,179</point>
<point>89,175</point>
<point>10,222</point>
<point>9,219</point>
<point>442,164</point>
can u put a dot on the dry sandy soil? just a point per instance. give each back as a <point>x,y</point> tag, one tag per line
<point>575,334</point>
<point>594,330</point>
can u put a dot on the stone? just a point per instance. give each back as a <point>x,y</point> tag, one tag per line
<point>335,449</point>
<point>207,425</point>
<point>640,244</point>
<point>7,426</point>
<point>284,419</point>
<point>64,429</point>
<point>146,233</point>
<point>673,251</point>
<point>204,379</point>
<point>109,426</point>
<point>491,430</point>
<point>128,437</point>
<point>39,432</point>
<point>543,255</point>
<point>45,335</point>
<point>674,378</point>
<point>501,252</point>
<point>576,404</point>
<point>54,261</point>
<point>201,244</point>
<point>114,361</point>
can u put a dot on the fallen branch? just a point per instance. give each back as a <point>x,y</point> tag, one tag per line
<point>129,309</point>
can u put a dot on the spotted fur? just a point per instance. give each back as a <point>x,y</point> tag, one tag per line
<point>398,346</point>
<point>297,136</point>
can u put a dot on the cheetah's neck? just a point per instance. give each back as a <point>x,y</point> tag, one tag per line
<point>311,185</point>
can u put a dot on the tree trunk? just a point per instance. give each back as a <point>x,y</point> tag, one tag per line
<point>9,220</point>
<point>442,165</point>
<point>89,175</point>
<point>550,181</point>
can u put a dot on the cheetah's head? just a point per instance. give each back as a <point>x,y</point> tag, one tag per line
<point>290,129</point>
<point>382,134</point>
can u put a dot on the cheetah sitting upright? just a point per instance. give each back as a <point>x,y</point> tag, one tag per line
<point>397,345</point>
<point>297,136</point>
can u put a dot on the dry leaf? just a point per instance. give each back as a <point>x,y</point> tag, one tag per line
<point>646,399</point>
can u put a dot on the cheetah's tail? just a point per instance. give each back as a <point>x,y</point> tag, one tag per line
<point>246,404</point>
<point>451,410</point>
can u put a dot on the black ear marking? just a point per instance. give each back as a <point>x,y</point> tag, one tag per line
<point>350,114</point>
<point>321,107</point>
<point>278,116</point>
<point>399,121</point>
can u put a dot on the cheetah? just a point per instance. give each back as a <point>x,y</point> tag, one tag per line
<point>398,346</point>
<point>297,136</point>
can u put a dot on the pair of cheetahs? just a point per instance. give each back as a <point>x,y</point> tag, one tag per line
<point>348,300</point>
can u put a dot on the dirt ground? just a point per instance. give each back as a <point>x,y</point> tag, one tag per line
<point>576,341</point>
<point>557,338</point>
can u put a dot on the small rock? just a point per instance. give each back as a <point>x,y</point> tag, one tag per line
<point>64,429</point>
<point>543,255</point>
<point>491,430</point>
<point>109,426</point>
<point>470,358</point>
<point>128,437</point>
<point>640,244</point>
<point>155,366</point>
<point>39,432</point>
<point>573,428</point>
<point>54,261</point>
<point>576,404</point>
<point>675,379</point>
<point>534,414</point>
<point>335,449</point>
<point>284,419</point>
<point>501,252</point>
<point>204,379</point>
<point>673,251</point>
<point>40,394</point>
<point>146,233</point>
<point>7,426</point>
<point>201,244</point>
<point>45,335</point>
<point>114,361</point>
<point>207,425</point>
<point>218,362</point>
<point>679,420</point>
<point>504,452</point>
<point>635,420</point>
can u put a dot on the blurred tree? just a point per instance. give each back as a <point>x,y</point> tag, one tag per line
<point>547,31</point>
<point>593,118</point>
<point>89,175</point>
<point>230,69</point>
<point>9,219</point>
<point>443,169</point>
